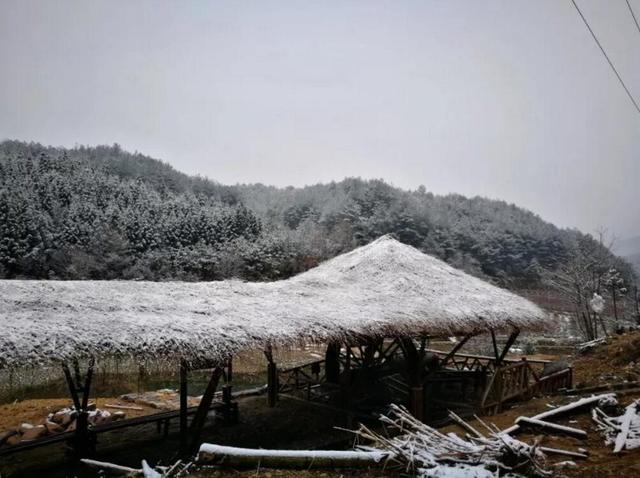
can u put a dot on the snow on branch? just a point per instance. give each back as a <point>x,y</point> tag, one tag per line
<point>622,431</point>
<point>424,451</point>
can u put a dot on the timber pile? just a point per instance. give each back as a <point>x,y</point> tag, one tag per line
<point>425,452</point>
<point>623,432</point>
<point>61,421</point>
<point>541,420</point>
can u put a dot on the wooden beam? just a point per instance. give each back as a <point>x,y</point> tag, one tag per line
<point>495,345</point>
<point>72,386</point>
<point>87,384</point>
<point>512,338</point>
<point>197,424</point>
<point>455,349</point>
<point>82,441</point>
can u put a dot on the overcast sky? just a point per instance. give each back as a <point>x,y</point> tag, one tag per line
<point>507,99</point>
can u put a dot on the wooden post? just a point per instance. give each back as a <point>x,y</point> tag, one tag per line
<point>416,402</point>
<point>83,442</point>
<point>272,384</point>
<point>227,387</point>
<point>230,370</point>
<point>345,379</point>
<point>332,362</point>
<point>415,377</point>
<point>184,383</point>
<point>272,378</point>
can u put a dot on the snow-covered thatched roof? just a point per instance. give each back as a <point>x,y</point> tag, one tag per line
<point>383,289</point>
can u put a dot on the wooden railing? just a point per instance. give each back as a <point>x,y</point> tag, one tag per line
<point>513,378</point>
<point>301,376</point>
<point>510,379</point>
<point>521,380</point>
<point>461,361</point>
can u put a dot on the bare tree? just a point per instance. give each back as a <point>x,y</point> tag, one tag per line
<point>579,279</point>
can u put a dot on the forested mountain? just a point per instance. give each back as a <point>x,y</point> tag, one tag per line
<point>104,213</point>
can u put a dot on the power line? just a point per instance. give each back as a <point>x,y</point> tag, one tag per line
<point>606,56</point>
<point>633,15</point>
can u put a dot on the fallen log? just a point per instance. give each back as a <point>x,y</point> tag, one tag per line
<point>252,457</point>
<point>583,402</point>
<point>551,426</point>
<point>111,469</point>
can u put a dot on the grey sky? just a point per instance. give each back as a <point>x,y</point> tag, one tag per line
<point>507,99</point>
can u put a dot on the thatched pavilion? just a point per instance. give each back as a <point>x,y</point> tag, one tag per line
<point>375,298</point>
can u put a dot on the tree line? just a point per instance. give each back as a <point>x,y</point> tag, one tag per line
<point>104,213</point>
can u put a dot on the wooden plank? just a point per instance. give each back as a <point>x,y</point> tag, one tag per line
<point>486,357</point>
<point>625,426</point>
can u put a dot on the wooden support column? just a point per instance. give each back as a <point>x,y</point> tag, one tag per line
<point>332,362</point>
<point>272,378</point>
<point>415,377</point>
<point>228,382</point>
<point>83,442</point>
<point>346,385</point>
<point>197,424</point>
<point>184,390</point>
<point>416,401</point>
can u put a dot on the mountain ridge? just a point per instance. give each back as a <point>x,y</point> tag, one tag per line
<point>80,205</point>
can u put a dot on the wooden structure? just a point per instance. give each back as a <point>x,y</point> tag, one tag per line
<point>82,441</point>
<point>374,307</point>
<point>424,379</point>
